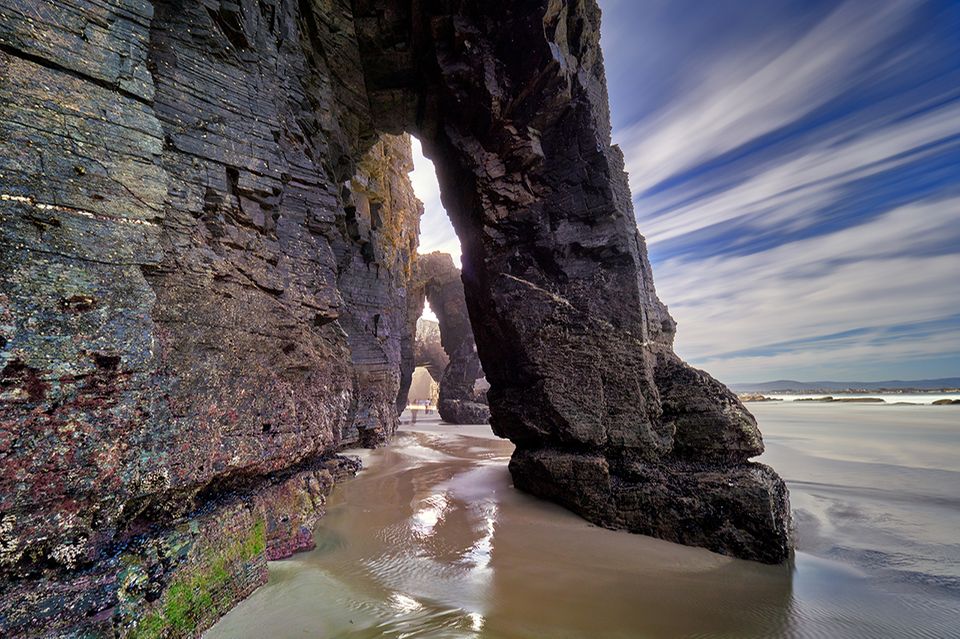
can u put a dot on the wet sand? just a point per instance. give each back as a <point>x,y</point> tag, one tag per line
<point>431,540</point>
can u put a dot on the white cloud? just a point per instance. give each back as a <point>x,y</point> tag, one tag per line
<point>883,273</point>
<point>808,180</point>
<point>436,231</point>
<point>744,96</point>
<point>897,269</point>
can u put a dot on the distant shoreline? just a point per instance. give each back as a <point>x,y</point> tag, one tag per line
<point>837,387</point>
<point>854,391</point>
<point>943,398</point>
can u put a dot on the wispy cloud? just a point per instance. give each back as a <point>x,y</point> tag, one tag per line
<point>750,92</point>
<point>788,190</point>
<point>801,196</point>
<point>891,271</point>
<point>436,232</point>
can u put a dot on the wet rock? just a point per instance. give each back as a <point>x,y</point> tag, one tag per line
<point>458,411</point>
<point>741,510</point>
<point>202,269</point>
<point>292,505</point>
<point>757,397</point>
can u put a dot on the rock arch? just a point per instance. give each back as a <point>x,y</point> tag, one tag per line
<point>510,102</point>
<point>437,280</point>
<point>428,352</point>
<point>206,230</point>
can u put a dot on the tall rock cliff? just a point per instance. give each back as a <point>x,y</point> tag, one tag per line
<point>509,100</point>
<point>203,269</point>
<point>205,235</point>
<point>382,220</point>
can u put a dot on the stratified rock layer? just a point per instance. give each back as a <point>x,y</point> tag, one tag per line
<point>203,267</point>
<point>381,219</point>
<point>206,234</point>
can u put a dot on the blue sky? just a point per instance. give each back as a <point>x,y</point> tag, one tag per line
<point>795,168</point>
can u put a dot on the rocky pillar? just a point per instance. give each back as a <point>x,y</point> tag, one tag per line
<point>511,104</point>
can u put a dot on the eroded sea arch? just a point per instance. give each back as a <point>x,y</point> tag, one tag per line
<point>207,234</point>
<point>510,102</point>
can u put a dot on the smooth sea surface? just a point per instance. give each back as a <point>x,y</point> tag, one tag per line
<point>431,540</point>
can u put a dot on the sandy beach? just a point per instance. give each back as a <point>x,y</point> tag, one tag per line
<point>431,540</point>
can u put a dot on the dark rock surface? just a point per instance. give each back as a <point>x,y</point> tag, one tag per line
<point>726,509</point>
<point>203,264</point>
<point>382,220</point>
<point>206,234</point>
<point>437,280</point>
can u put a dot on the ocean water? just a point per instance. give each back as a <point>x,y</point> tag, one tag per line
<point>431,540</point>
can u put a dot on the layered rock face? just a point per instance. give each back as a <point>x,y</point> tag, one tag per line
<point>437,280</point>
<point>203,266</point>
<point>382,219</point>
<point>205,242</point>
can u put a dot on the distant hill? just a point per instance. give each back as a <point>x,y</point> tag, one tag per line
<point>787,385</point>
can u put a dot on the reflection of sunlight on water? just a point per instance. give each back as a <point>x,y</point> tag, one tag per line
<point>409,552</point>
<point>404,603</point>
<point>429,515</point>
<point>476,621</point>
<point>479,552</point>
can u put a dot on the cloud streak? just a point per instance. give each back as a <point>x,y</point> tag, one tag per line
<point>749,93</point>
<point>866,278</point>
<point>801,194</point>
<point>789,190</point>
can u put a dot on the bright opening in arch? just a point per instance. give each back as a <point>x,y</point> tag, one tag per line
<point>428,313</point>
<point>436,231</point>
